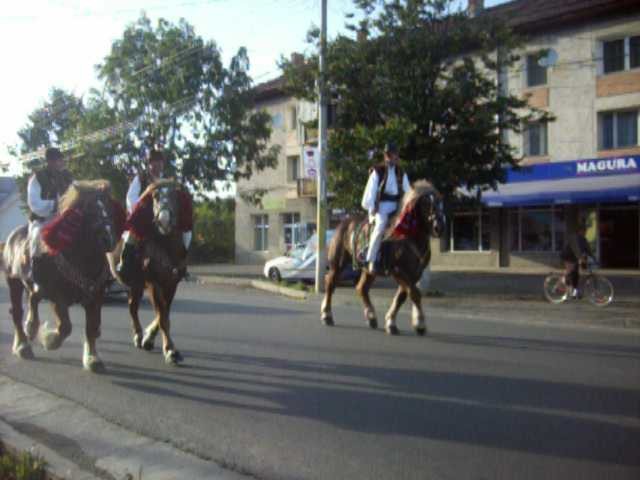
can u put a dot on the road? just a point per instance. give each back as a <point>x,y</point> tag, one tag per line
<point>266,390</point>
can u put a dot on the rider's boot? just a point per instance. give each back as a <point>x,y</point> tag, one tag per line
<point>126,267</point>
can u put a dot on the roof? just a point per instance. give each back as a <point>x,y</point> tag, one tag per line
<point>532,16</point>
<point>524,16</point>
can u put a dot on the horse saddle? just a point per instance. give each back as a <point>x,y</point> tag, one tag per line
<point>360,244</point>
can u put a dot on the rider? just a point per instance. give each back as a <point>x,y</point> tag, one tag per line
<point>43,191</point>
<point>385,187</point>
<point>574,255</point>
<point>154,172</point>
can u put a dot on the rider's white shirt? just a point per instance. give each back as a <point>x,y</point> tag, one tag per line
<point>133,194</point>
<point>38,205</point>
<point>391,188</point>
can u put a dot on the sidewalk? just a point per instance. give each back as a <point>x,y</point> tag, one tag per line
<point>493,284</point>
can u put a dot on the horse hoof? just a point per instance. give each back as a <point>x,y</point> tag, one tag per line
<point>137,340</point>
<point>173,357</point>
<point>373,323</point>
<point>94,365</point>
<point>24,352</point>
<point>420,331</point>
<point>392,330</point>
<point>51,340</point>
<point>327,319</point>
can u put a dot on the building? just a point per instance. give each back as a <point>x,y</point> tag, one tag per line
<point>11,213</point>
<point>583,167</point>
<point>287,214</point>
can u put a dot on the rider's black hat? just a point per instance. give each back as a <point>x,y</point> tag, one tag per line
<point>52,153</point>
<point>390,147</point>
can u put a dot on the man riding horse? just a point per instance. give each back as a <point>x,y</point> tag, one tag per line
<point>44,189</point>
<point>129,264</point>
<point>386,185</point>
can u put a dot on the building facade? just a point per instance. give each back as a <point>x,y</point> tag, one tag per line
<point>584,167</point>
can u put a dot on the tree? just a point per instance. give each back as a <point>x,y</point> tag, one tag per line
<point>167,87</point>
<point>424,76</point>
<point>214,237</point>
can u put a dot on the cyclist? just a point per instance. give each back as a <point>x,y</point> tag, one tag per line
<point>575,255</point>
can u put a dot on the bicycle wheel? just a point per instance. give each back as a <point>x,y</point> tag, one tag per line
<point>555,289</point>
<point>599,290</point>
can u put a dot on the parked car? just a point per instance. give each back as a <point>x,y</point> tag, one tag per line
<point>300,263</point>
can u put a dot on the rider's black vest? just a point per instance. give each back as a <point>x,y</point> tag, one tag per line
<point>52,184</point>
<point>383,172</point>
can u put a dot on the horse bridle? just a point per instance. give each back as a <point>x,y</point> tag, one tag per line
<point>435,212</point>
<point>164,215</point>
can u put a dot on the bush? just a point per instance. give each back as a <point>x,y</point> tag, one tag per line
<point>213,231</point>
<point>22,466</point>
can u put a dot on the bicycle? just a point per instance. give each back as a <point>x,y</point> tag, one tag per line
<point>597,288</point>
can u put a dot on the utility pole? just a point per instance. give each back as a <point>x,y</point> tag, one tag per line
<point>321,220</point>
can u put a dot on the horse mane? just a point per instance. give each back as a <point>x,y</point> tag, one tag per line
<point>161,183</point>
<point>419,188</point>
<point>80,190</point>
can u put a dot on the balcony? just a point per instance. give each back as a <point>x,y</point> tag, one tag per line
<point>307,188</point>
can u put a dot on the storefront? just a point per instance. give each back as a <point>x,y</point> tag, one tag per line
<point>526,221</point>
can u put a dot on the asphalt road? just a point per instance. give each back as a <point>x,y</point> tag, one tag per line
<point>268,391</point>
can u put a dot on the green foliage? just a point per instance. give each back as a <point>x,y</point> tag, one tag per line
<point>163,86</point>
<point>214,237</point>
<point>22,466</point>
<point>423,75</point>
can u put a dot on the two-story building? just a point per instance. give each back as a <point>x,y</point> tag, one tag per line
<point>583,167</point>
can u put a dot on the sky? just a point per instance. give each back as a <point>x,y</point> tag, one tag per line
<point>57,43</point>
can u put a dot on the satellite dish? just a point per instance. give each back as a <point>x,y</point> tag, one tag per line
<point>549,59</point>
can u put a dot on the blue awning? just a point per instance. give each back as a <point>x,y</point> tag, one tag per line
<point>602,180</point>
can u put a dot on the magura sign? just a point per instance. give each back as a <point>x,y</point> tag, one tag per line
<point>607,166</point>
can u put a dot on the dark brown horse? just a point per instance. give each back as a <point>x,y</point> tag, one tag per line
<point>162,261</point>
<point>407,256</point>
<point>74,271</point>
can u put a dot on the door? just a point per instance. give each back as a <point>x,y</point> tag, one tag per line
<point>619,238</point>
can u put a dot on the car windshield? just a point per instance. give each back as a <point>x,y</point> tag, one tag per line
<point>297,252</point>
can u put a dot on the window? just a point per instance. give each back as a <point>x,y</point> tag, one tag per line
<point>613,52</point>
<point>260,232</point>
<point>277,121</point>
<point>536,74</point>
<point>292,229</point>
<point>634,52</point>
<point>537,229</point>
<point>470,231</point>
<point>618,129</point>
<point>293,168</point>
<point>535,139</point>
<point>293,118</point>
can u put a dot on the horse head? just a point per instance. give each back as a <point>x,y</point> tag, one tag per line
<point>165,206</point>
<point>92,199</point>
<point>430,207</point>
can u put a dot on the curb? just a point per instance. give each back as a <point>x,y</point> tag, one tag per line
<point>249,283</point>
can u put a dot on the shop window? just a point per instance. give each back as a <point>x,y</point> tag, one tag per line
<point>535,139</point>
<point>260,232</point>
<point>470,231</point>
<point>536,74</point>
<point>618,129</point>
<point>537,229</point>
<point>292,229</point>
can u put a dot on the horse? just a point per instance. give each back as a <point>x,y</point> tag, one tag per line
<point>74,270</point>
<point>406,253</point>
<point>162,261</point>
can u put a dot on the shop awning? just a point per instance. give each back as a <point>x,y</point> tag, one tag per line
<point>602,180</point>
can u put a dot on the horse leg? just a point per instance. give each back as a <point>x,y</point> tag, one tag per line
<point>135,295</point>
<point>90,359</point>
<point>32,323</point>
<point>149,336</point>
<point>162,299</point>
<point>21,347</point>
<point>52,339</point>
<point>417,315</point>
<point>364,284</point>
<point>329,287</point>
<point>390,318</point>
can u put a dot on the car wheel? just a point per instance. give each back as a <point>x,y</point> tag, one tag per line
<point>274,275</point>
